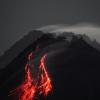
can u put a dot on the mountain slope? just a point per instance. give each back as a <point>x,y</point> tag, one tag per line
<point>18,47</point>
<point>73,66</point>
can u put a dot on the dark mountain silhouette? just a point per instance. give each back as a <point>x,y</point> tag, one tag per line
<point>93,43</point>
<point>73,64</point>
<point>18,47</point>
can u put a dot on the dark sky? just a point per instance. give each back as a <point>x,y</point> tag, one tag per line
<point>17,17</point>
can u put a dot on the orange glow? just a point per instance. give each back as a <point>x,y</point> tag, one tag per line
<point>31,86</point>
<point>45,84</point>
<point>30,56</point>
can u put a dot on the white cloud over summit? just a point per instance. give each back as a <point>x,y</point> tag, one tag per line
<point>92,30</point>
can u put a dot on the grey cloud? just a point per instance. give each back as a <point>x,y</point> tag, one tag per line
<point>92,30</point>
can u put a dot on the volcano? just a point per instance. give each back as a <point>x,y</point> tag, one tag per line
<point>72,68</point>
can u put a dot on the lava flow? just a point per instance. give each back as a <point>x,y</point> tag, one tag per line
<point>33,87</point>
<point>45,83</point>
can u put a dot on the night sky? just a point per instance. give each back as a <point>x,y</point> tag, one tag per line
<point>17,17</point>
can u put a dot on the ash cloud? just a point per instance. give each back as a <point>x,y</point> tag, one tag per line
<point>91,30</point>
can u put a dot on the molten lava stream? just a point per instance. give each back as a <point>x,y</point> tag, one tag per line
<point>31,86</point>
<point>45,83</point>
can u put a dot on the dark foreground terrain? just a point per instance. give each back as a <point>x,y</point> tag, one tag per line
<point>74,67</point>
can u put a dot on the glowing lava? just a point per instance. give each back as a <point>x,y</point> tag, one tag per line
<point>31,86</point>
<point>45,83</point>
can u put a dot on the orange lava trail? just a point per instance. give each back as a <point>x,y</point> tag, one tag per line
<point>28,88</point>
<point>31,86</point>
<point>45,84</point>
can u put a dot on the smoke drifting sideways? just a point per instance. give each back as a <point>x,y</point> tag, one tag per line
<point>91,30</point>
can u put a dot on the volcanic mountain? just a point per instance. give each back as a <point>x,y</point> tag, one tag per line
<point>72,63</point>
